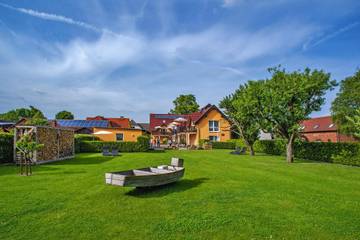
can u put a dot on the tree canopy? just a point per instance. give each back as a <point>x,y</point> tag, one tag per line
<point>64,115</point>
<point>17,114</point>
<point>185,104</point>
<point>241,108</point>
<point>346,103</point>
<point>289,98</point>
<point>354,122</point>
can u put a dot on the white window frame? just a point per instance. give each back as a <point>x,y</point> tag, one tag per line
<point>117,139</point>
<point>213,126</point>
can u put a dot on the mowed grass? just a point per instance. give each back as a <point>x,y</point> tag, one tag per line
<point>221,197</point>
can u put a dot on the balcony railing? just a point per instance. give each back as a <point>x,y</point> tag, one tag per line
<point>186,129</point>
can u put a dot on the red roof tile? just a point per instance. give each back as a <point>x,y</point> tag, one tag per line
<point>320,124</point>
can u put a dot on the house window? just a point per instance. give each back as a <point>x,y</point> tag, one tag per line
<point>119,137</point>
<point>213,138</point>
<point>213,126</point>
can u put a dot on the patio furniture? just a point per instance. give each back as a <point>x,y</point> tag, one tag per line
<point>115,152</point>
<point>238,151</point>
<point>106,152</point>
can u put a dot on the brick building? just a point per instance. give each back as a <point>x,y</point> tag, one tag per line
<point>322,129</point>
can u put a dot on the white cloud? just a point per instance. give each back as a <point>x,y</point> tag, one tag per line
<point>324,38</point>
<point>54,17</point>
<point>88,77</point>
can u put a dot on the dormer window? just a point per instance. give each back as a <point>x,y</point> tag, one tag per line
<point>316,126</point>
<point>331,125</point>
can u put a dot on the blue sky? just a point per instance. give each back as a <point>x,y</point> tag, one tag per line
<point>134,57</point>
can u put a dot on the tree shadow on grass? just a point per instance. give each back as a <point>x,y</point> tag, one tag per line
<point>97,159</point>
<point>159,191</point>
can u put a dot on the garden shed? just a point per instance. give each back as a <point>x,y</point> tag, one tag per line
<point>58,143</point>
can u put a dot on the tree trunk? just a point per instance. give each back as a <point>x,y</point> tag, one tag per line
<point>248,145</point>
<point>290,149</point>
<point>252,152</point>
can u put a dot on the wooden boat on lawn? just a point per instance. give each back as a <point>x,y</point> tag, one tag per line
<point>148,177</point>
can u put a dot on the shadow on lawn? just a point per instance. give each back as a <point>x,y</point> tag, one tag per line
<point>85,160</point>
<point>159,191</point>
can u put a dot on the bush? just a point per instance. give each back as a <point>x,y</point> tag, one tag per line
<point>238,142</point>
<point>322,151</point>
<point>86,137</point>
<point>144,141</point>
<point>223,145</point>
<point>97,146</point>
<point>203,142</point>
<point>344,153</point>
<point>83,137</point>
<point>347,158</point>
<point>6,147</point>
<point>272,147</point>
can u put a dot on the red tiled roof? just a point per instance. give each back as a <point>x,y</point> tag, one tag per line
<point>320,124</point>
<point>114,122</point>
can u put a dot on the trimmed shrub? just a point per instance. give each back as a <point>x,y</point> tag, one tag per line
<point>272,147</point>
<point>144,141</point>
<point>238,142</point>
<point>6,147</point>
<point>203,142</point>
<point>223,145</point>
<point>86,137</point>
<point>347,158</point>
<point>344,153</point>
<point>322,151</point>
<point>83,137</point>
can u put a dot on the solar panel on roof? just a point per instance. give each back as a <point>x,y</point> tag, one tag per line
<point>83,123</point>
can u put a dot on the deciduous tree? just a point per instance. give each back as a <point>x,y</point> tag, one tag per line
<point>346,103</point>
<point>185,104</point>
<point>64,115</point>
<point>289,98</point>
<point>241,107</point>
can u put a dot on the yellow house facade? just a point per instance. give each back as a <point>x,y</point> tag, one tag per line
<point>213,126</point>
<point>118,134</point>
<point>188,129</point>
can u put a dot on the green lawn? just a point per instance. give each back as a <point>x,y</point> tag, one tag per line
<point>221,197</point>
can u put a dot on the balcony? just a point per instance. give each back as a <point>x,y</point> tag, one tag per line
<point>186,129</point>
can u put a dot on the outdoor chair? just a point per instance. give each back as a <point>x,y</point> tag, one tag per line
<point>238,151</point>
<point>115,152</point>
<point>106,152</point>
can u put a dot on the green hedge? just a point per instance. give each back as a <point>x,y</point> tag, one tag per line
<point>347,157</point>
<point>144,142</point>
<point>323,151</point>
<point>97,146</point>
<point>85,143</point>
<point>6,147</point>
<point>238,142</point>
<point>344,153</point>
<point>272,147</point>
<point>223,145</point>
<point>83,137</point>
